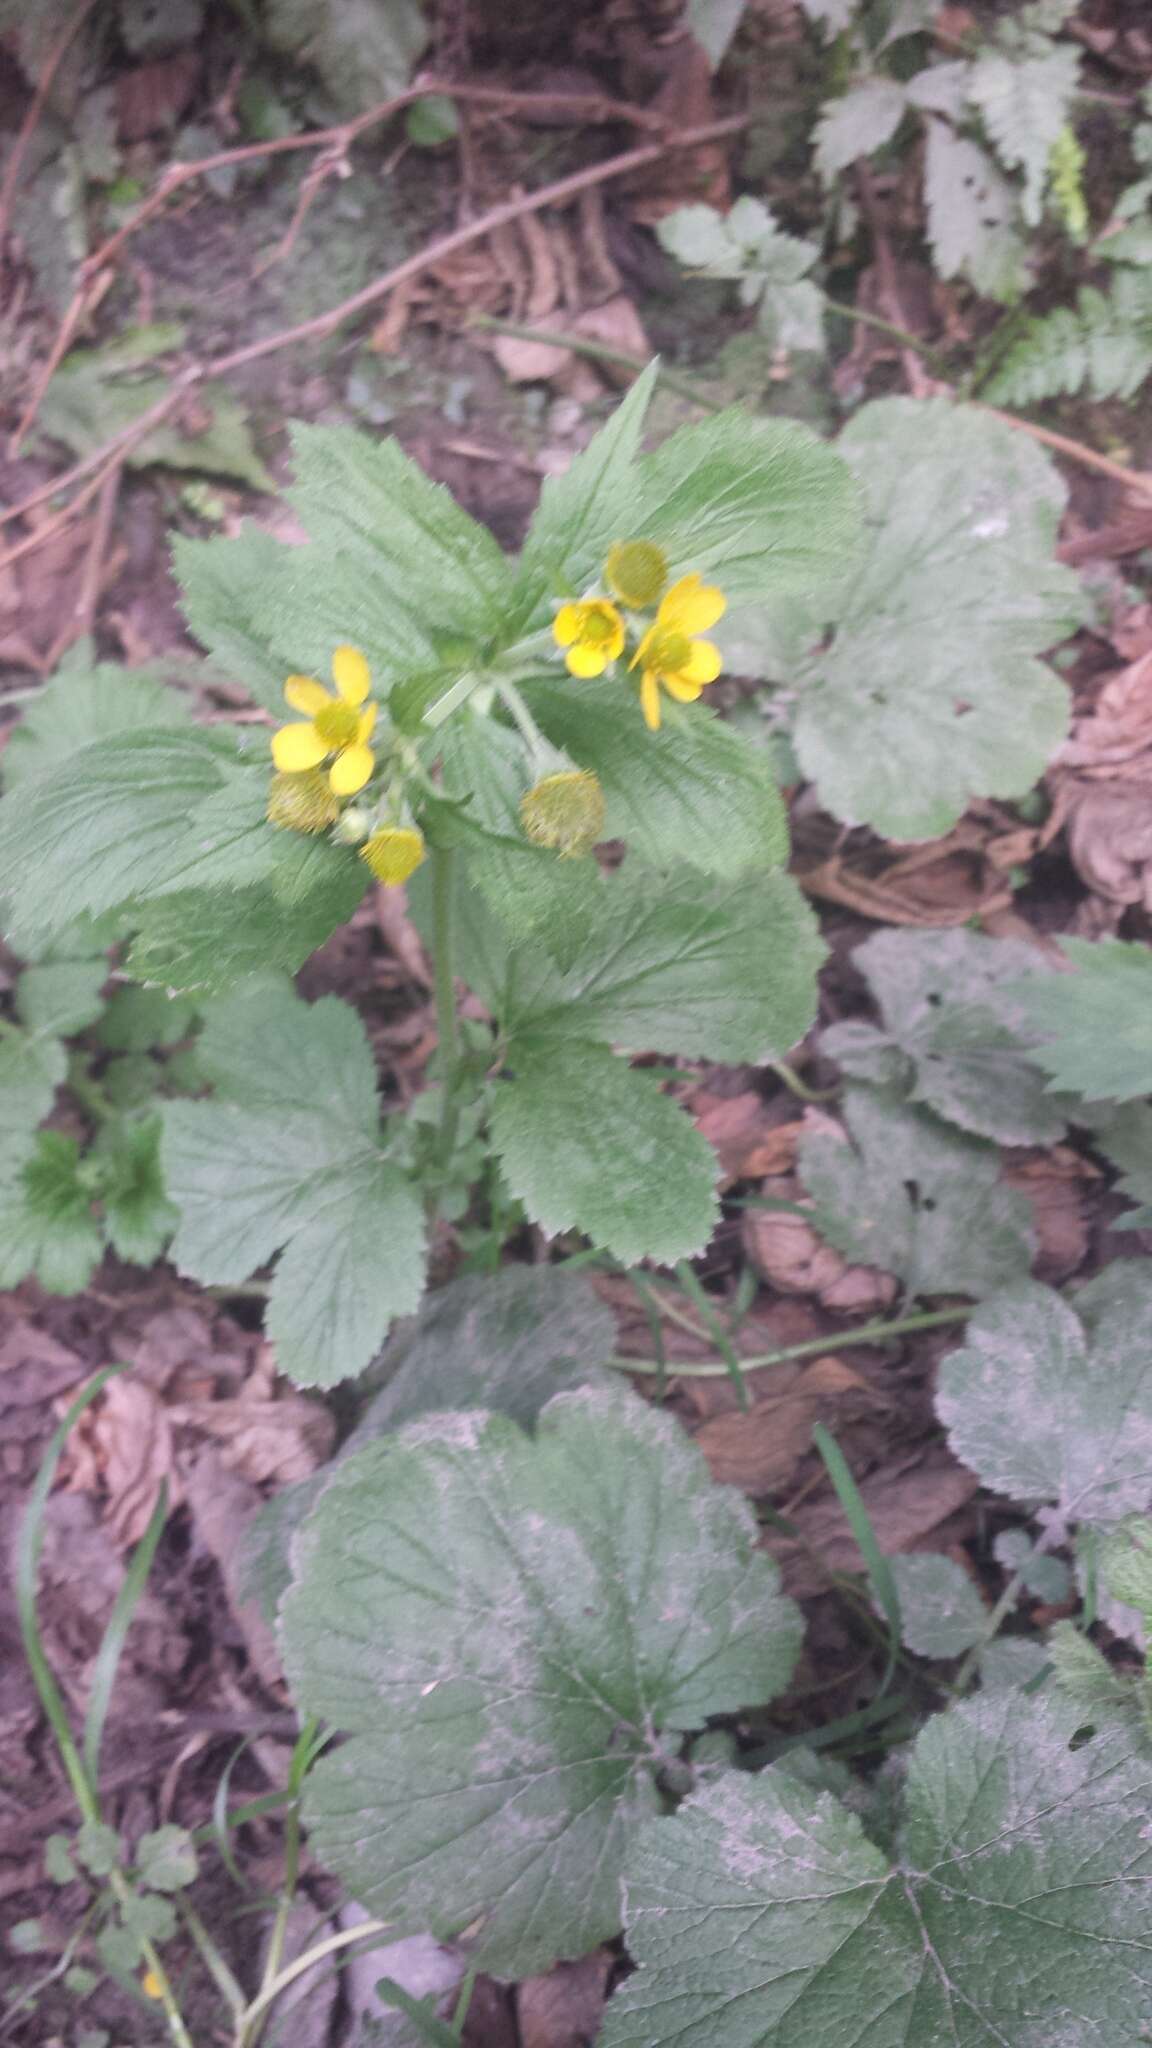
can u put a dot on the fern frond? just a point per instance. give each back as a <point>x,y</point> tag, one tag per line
<point>1102,346</point>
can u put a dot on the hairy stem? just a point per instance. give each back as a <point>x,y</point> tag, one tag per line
<point>444,987</point>
<point>868,1333</point>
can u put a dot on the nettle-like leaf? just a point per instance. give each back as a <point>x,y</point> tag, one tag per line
<point>512,1339</point>
<point>747,245</point>
<point>513,1633</point>
<point>81,704</point>
<point>588,1143</point>
<point>931,690</point>
<point>861,120</point>
<point>973,215</point>
<point>762,1915</point>
<point>1024,100</point>
<point>1101,345</point>
<point>53,1000</point>
<point>1095,1024</point>
<point>286,1160</point>
<point>952,1031</point>
<point>47,1224</point>
<point>1124,1135</point>
<point>1051,1401</point>
<point>901,1192</point>
<point>941,1612</point>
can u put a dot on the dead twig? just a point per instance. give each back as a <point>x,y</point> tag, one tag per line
<point>31,119</point>
<point>95,561</point>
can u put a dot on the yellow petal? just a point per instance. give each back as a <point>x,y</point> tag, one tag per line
<point>367,724</point>
<point>650,700</point>
<point>566,624</point>
<point>703,664</point>
<point>305,695</point>
<point>296,747</point>
<point>586,661</point>
<point>351,674</point>
<point>641,654</point>
<point>692,606</point>
<point>682,687</point>
<point>351,769</point>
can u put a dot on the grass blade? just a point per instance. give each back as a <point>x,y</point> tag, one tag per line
<point>111,1648</point>
<point>859,1521</point>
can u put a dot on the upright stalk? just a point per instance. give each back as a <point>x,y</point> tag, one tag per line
<point>444,987</point>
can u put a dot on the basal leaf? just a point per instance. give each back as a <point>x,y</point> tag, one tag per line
<point>931,691</point>
<point>941,1612</point>
<point>762,1916</point>
<point>903,1193</point>
<point>47,1223</point>
<point>138,1217</point>
<point>952,1032</point>
<point>287,1159</point>
<point>511,1631</point>
<point>588,1143</point>
<point>693,794</point>
<point>1052,1401</point>
<point>1095,1024</point>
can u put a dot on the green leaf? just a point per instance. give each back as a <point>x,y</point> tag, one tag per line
<point>138,1217</point>
<point>860,121</point>
<point>97,392</point>
<point>1025,103</point>
<point>761,1915</point>
<point>31,1070</point>
<point>935,653</point>
<point>512,1340</point>
<point>972,215</point>
<point>1102,345</point>
<point>902,1193</point>
<point>588,1143</point>
<point>512,1632</point>
<point>1125,1558</point>
<point>137,1019</point>
<point>1095,1024</point>
<point>1124,1135</point>
<point>1046,1578</point>
<point>941,1612</point>
<point>363,52</point>
<point>97,1848</point>
<point>747,244</point>
<point>226,586</point>
<point>952,1031</point>
<point>1048,1401</point>
<point>287,1160</point>
<point>693,794</point>
<point>722,971</point>
<point>58,1865</point>
<point>714,23</point>
<point>61,997</point>
<point>46,1222</point>
<point>203,942</point>
<point>166,1859</point>
<point>78,707</point>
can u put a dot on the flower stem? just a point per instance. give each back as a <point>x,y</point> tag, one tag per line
<point>444,987</point>
<point>868,1333</point>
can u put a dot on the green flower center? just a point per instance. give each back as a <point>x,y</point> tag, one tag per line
<point>337,724</point>
<point>669,653</point>
<point>598,627</point>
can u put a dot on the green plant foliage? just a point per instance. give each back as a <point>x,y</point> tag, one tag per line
<point>1125,1560</point>
<point>1094,1025</point>
<point>747,245</point>
<point>1010,1918</point>
<point>82,704</point>
<point>286,1159</point>
<point>362,52</point>
<point>862,120</point>
<point>1101,346</point>
<point>513,1632</point>
<point>98,392</point>
<point>901,1192</point>
<point>1024,99</point>
<point>53,1000</point>
<point>941,1612</point>
<point>1124,1135</point>
<point>590,1144</point>
<point>972,214</point>
<point>1052,1402</point>
<point>47,1227</point>
<point>951,1032</point>
<point>935,653</point>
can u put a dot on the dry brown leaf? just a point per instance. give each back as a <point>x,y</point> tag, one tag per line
<point>223,1505</point>
<point>741,1131</point>
<point>1103,776</point>
<point>1054,1184</point>
<point>787,1252</point>
<point>907,1501</point>
<point>565,2009</point>
<point>151,97</point>
<point>760,1450</point>
<point>130,1435</point>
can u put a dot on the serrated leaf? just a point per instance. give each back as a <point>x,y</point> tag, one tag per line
<point>859,121</point>
<point>1125,1560</point>
<point>204,941</point>
<point>512,1340</point>
<point>363,52</point>
<point>588,1143</point>
<point>47,1226</point>
<point>61,997</point>
<point>722,971</point>
<point>1102,345</point>
<point>1095,1024</point>
<point>952,1032</point>
<point>287,1160</point>
<point>693,794</point>
<point>166,1859</point>
<point>931,691</point>
<point>31,1070</point>
<point>1124,1135</point>
<point>138,1019</point>
<point>99,392</point>
<point>1046,1578</point>
<point>506,1628</point>
<point>941,89</point>
<point>972,215</point>
<point>903,1193</point>
<point>762,1915</point>
<point>941,1612</point>
<point>1025,102</point>
<point>714,23</point>
<point>138,1217</point>
<point>1047,1401</point>
<point>78,707</point>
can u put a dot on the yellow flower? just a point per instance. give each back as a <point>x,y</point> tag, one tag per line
<point>333,725</point>
<point>564,811</point>
<point>150,1985</point>
<point>592,631</point>
<point>394,852</point>
<point>670,656</point>
<point>303,802</point>
<point>636,572</point>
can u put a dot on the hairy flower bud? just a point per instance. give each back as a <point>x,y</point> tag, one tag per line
<point>353,825</point>
<point>636,572</point>
<point>394,852</point>
<point>302,801</point>
<point>564,811</point>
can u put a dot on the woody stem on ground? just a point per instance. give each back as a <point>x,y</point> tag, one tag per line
<point>868,1333</point>
<point>444,990</point>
